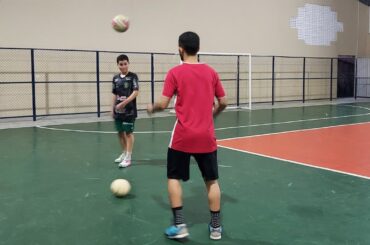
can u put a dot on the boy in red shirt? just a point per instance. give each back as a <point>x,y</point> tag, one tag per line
<point>195,86</point>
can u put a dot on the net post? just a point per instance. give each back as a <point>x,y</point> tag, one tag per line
<point>356,79</point>
<point>273,81</point>
<point>304,80</point>
<point>250,80</point>
<point>331,79</point>
<point>97,84</point>
<point>237,80</point>
<point>33,80</point>
<point>152,76</point>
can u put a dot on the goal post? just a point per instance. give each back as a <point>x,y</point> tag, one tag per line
<point>235,71</point>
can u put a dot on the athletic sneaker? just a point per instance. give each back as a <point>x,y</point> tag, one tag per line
<point>124,164</point>
<point>177,231</point>
<point>120,158</point>
<point>215,233</point>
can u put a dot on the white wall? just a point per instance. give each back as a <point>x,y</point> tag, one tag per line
<point>260,27</point>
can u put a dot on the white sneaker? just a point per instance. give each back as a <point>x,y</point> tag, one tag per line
<point>120,158</point>
<point>124,164</point>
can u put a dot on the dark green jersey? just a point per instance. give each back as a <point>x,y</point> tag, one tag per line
<point>123,86</point>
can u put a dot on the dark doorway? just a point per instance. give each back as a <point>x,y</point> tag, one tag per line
<point>346,72</point>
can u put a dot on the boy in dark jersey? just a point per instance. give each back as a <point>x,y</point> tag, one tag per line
<point>125,89</point>
<point>195,85</point>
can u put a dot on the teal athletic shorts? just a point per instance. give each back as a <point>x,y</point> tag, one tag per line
<point>126,125</point>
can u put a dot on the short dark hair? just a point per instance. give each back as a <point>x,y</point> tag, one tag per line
<point>122,57</point>
<point>189,41</point>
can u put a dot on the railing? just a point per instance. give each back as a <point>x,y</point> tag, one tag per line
<point>42,82</point>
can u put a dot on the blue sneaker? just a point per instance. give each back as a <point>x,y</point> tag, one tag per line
<point>177,231</point>
<point>215,233</point>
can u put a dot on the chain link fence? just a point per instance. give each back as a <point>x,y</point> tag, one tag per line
<point>363,77</point>
<point>42,82</point>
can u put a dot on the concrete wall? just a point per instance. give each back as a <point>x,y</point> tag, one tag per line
<point>259,27</point>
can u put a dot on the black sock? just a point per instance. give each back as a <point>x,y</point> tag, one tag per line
<point>215,219</point>
<point>178,216</point>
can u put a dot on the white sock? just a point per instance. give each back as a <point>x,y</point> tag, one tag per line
<point>124,154</point>
<point>128,156</point>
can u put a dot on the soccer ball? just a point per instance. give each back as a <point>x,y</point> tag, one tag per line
<point>120,187</point>
<point>120,23</point>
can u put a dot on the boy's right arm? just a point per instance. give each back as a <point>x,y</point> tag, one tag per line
<point>221,97</point>
<point>220,106</point>
<point>113,105</point>
<point>162,104</point>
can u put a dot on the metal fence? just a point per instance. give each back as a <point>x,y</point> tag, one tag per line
<point>362,78</point>
<point>42,82</point>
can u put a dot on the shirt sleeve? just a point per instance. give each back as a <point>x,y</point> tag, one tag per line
<point>135,82</point>
<point>169,88</point>
<point>219,89</point>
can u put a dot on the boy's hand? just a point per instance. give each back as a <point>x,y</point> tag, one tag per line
<point>120,106</point>
<point>149,108</point>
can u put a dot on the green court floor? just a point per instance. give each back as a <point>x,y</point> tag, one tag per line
<point>54,186</point>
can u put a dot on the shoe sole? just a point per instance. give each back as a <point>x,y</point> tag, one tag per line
<point>120,166</point>
<point>178,236</point>
<point>215,238</point>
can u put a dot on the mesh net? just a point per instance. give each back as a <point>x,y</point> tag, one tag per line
<point>15,83</point>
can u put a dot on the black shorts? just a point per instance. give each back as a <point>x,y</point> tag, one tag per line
<point>178,164</point>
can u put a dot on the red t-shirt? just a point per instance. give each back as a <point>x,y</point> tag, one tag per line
<point>195,87</point>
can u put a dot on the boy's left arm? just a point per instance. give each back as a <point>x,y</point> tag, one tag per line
<point>128,100</point>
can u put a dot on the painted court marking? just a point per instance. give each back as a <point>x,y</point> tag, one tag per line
<point>217,129</point>
<point>342,149</point>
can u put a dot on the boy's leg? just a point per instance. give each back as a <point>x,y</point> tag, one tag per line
<point>129,138</point>
<point>121,139</point>
<point>128,127</point>
<point>177,170</point>
<point>214,195</point>
<point>214,201</point>
<point>207,163</point>
<point>174,192</point>
<point>178,229</point>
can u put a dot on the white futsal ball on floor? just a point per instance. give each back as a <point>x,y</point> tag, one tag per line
<point>120,187</point>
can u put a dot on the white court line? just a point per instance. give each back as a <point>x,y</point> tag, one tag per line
<point>293,131</point>
<point>295,121</point>
<point>75,130</point>
<point>99,132</point>
<point>357,106</point>
<point>295,162</point>
<point>217,129</point>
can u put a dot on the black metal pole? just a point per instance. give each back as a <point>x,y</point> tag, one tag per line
<point>304,80</point>
<point>356,81</point>
<point>33,79</point>
<point>238,81</point>
<point>331,79</point>
<point>273,81</point>
<point>97,83</point>
<point>152,75</point>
